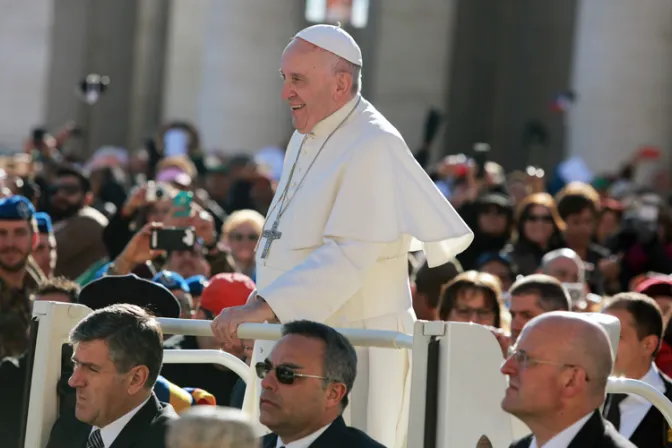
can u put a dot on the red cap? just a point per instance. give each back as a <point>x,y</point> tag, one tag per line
<point>226,290</point>
<point>656,286</point>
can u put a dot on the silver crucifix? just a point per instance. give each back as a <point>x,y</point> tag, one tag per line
<point>271,235</point>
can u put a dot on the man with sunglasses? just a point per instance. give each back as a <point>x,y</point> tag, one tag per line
<point>78,227</point>
<point>305,384</point>
<point>558,373</point>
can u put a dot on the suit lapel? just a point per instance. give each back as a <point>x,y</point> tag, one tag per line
<point>593,429</point>
<point>330,438</point>
<point>137,427</point>
<point>270,441</point>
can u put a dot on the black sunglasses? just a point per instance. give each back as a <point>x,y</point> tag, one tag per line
<point>252,237</point>
<point>285,375</point>
<point>67,189</point>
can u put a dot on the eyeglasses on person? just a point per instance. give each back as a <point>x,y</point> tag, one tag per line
<point>523,359</point>
<point>285,374</point>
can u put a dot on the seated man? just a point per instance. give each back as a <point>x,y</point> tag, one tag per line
<point>558,375</point>
<point>641,332</point>
<point>305,387</point>
<point>118,353</point>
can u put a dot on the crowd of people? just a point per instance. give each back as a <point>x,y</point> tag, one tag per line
<point>545,252</point>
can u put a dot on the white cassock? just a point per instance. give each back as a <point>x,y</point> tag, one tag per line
<point>342,258</point>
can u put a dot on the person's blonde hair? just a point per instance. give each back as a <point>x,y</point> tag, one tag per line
<point>239,217</point>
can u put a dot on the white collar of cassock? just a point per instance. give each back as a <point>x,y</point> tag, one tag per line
<point>327,125</point>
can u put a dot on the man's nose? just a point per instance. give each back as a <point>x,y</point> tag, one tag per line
<point>287,92</point>
<point>508,366</point>
<point>76,379</point>
<point>269,382</point>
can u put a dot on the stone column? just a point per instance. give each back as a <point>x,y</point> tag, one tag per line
<point>409,72</point>
<point>25,29</point>
<point>623,78</point>
<point>235,71</point>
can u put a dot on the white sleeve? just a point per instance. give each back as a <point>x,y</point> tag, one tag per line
<point>323,282</point>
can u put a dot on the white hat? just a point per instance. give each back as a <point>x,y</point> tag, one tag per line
<point>333,39</point>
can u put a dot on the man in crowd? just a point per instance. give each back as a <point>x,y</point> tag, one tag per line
<point>78,227</point>
<point>117,356</point>
<point>346,214</point>
<point>428,284</point>
<point>212,427</point>
<point>176,284</point>
<point>45,252</point>
<point>19,276</point>
<point>532,296</point>
<point>641,332</point>
<point>557,383</point>
<point>306,383</point>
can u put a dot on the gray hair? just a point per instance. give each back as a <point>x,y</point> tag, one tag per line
<point>211,427</point>
<point>340,358</point>
<point>355,71</point>
<point>133,337</point>
<point>568,254</point>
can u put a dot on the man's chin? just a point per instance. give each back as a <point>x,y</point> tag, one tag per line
<point>13,267</point>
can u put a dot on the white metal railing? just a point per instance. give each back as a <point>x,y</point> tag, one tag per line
<point>272,332</point>
<point>644,390</point>
<point>208,357</point>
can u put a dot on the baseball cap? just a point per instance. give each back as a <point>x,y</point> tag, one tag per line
<point>226,290</point>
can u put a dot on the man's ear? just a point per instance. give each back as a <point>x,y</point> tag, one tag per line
<point>36,239</point>
<point>335,394</point>
<point>138,379</point>
<point>650,343</point>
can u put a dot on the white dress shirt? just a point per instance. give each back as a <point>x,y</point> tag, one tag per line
<point>302,443</point>
<point>634,408</point>
<point>110,432</point>
<point>565,437</point>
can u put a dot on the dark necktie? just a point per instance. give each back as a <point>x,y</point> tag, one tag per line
<point>95,440</point>
<point>613,413</point>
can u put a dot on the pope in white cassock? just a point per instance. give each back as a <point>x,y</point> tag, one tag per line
<point>351,203</point>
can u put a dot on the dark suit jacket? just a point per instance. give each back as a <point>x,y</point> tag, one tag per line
<point>652,432</point>
<point>147,429</point>
<point>596,433</point>
<point>338,435</point>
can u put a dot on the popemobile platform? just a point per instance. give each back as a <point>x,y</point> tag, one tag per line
<point>456,387</point>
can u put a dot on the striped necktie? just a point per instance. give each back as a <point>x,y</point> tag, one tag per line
<point>95,440</point>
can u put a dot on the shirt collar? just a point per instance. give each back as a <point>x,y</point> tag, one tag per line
<point>305,442</point>
<point>110,432</point>
<point>564,437</point>
<point>327,125</point>
<point>652,378</point>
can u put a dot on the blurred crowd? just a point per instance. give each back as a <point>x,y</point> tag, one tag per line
<point>542,243</point>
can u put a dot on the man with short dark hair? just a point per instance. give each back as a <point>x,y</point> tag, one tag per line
<point>428,284</point>
<point>641,334</point>
<point>117,356</point>
<point>532,296</point>
<point>78,227</point>
<point>45,251</point>
<point>306,382</point>
<point>58,289</point>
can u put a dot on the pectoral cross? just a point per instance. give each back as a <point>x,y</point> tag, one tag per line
<point>271,235</point>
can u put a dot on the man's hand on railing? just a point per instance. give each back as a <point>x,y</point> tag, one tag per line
<point>225,326</point>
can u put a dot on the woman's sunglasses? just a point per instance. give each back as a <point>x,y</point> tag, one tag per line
<point>285,375</point>
<point>540,218</point>
<point>238,237</point>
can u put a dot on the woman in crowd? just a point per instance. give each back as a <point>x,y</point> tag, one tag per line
<point>472,297</point>
<point>241,232</point>
<point>538,231</point>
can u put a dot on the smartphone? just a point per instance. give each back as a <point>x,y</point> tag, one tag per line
<point>172,238</point>
<point>182,204</point>
<point>481,151</point>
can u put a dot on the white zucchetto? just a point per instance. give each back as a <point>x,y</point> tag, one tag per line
<point>333,39</point>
